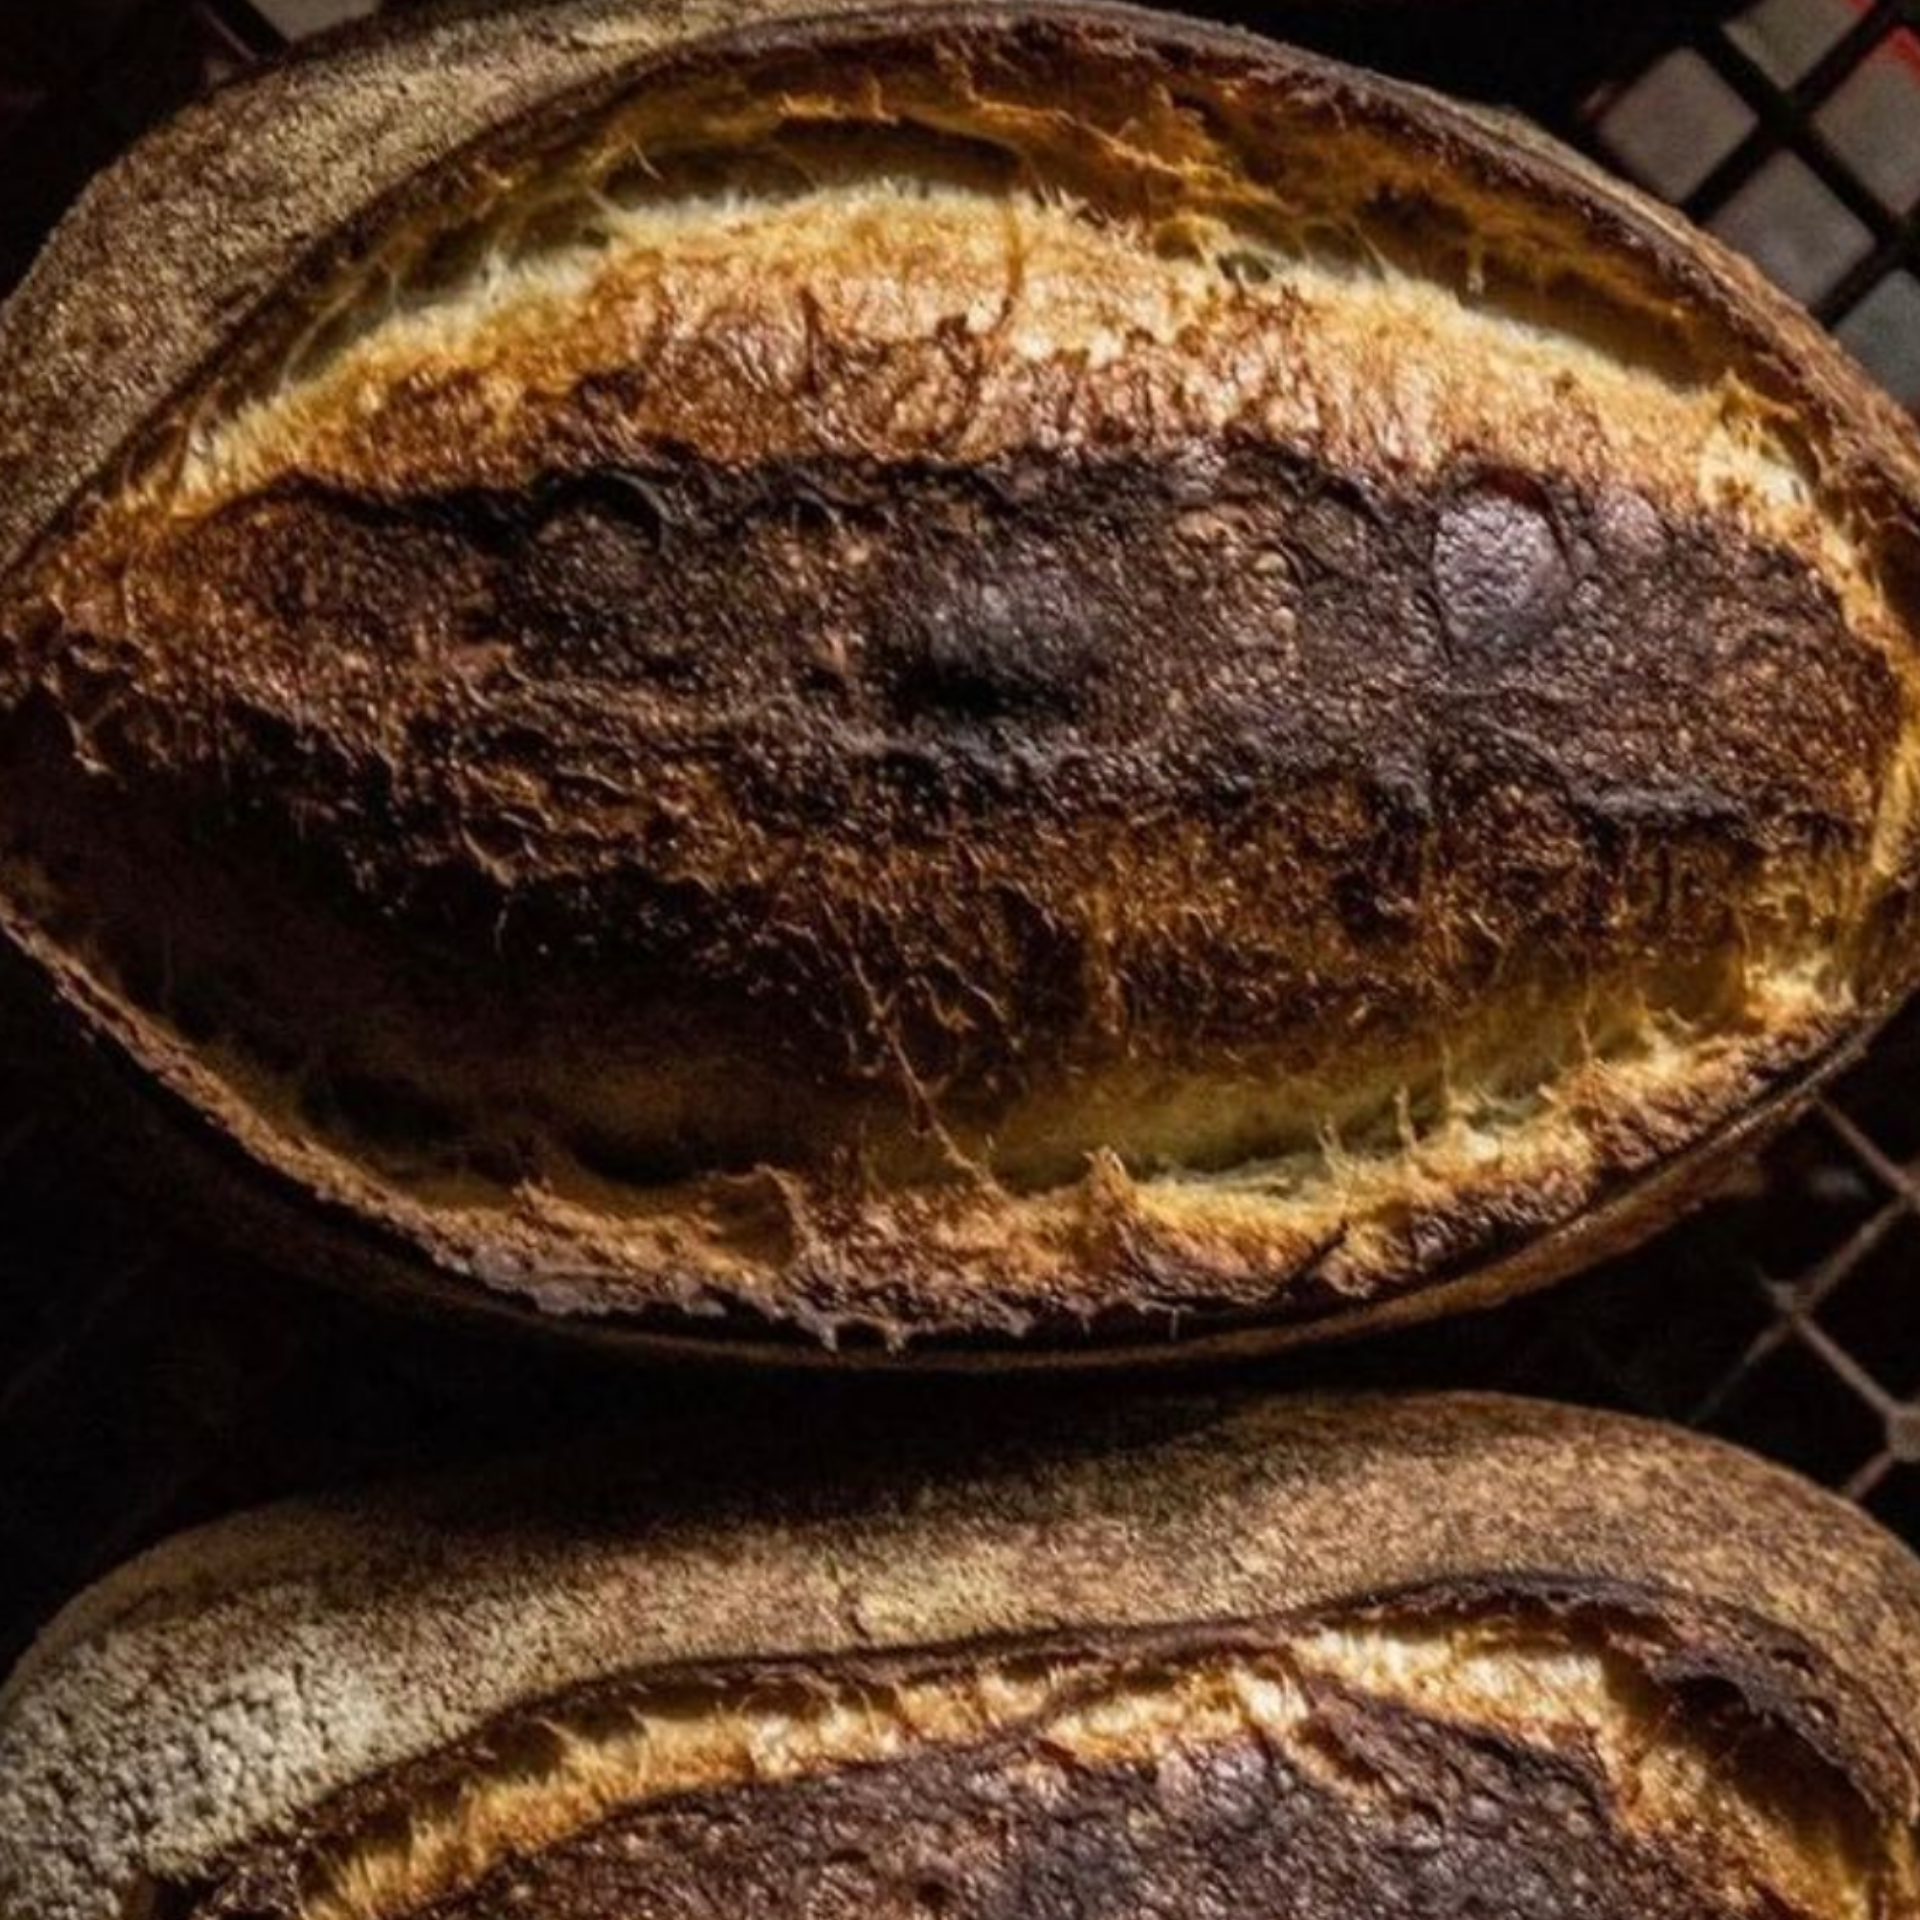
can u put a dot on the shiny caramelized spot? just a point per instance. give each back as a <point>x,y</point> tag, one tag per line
<point>1499,566</point>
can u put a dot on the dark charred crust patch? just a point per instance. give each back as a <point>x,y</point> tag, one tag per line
<point>919,725</point>
<point>1222,1829</point>
<point>1366,1806</point>
<point>1056,639</point>
<point>991,636</point>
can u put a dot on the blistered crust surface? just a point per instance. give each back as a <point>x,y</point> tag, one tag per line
<point>851,702</point>
<point>209,1694</point>
<point>1291,1769</point>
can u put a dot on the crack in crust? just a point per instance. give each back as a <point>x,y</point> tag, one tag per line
<point>841,697</point>
<point>1508,1736</point>
<point>521,1660</point>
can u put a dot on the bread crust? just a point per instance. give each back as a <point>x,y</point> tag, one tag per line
<point>235,1690</point>
<point>814,1077</point>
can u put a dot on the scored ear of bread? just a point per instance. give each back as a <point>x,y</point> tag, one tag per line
<point>936,677</point>
<point>1318,1658</point>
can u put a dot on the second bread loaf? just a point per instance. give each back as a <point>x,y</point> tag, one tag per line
<point>1330,1660</point>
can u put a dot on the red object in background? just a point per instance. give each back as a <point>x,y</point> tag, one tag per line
<point>1902,44</point>
<point>1905,47</point>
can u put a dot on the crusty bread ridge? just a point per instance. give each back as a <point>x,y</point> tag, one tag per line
<point>791,697</point>
<point>229,1724</point>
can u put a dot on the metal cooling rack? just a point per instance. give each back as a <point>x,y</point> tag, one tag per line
<point>1793,131</point>
<point>147,1382</point>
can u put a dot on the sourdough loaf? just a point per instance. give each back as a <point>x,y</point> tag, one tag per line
<point>964,678</point>
<point>1322,1660</point>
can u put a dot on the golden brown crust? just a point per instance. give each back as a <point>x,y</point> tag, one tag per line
<point>1276,1767</point>
<point>911,719</point>
<point>1633,1641</point>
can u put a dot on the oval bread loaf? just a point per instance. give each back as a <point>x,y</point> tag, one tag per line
<point>1023,679</point>
<point>1320,1660</point>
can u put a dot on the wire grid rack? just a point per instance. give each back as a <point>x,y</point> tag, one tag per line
<point>148,1381</point>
